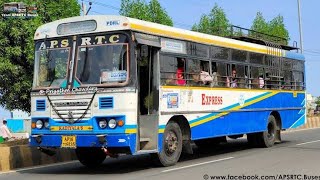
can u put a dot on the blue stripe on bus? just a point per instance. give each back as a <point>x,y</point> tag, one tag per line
<point>301,121</point>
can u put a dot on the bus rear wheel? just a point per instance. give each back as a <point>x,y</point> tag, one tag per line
<point>266,138</point>
<point>171,146</point>
<point>90,157</point>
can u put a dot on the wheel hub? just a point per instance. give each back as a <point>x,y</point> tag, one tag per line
<point>171,143</point>
<point>271,130</point>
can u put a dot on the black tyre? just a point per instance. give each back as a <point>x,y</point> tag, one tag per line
<point>266,138</point>
<point>90,157</point>
<point>171,146</point>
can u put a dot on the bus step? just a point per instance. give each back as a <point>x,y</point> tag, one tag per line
<point>144,139</point>
<point>147,151</point>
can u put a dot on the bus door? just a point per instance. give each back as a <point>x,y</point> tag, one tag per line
<point>148,87</point>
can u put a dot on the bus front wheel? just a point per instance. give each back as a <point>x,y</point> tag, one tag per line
<point>171,145</point>
<point>90,157</point>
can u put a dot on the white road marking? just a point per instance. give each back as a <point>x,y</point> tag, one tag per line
<point>38,167</point>
<point>199,164</point>
<point>307,142</point>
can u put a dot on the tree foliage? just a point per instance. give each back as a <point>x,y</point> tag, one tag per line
<point>151,11</point>
<point>275,27</point>
<point>17,49</point>
<point>317,101</point>
<point>215,23</point>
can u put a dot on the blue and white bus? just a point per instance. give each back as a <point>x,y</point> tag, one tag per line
<point>110,85</point>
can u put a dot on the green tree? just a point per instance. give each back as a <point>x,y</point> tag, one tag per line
<point>151,11</point>
<point>135,9</point>
<point>17,49</point>
<point>317,101</point>
<point>260,24</point>
<point>215,23</point>
<point>275,27</point>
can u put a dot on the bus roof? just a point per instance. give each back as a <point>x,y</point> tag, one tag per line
<point>104,23</point>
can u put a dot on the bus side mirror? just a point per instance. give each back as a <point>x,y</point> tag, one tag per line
<point>144,51</point>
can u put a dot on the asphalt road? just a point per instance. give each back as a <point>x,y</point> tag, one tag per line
<point>297,157</point>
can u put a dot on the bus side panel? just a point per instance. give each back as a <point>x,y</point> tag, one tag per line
<point>296,117</point>
<point>240,112</point>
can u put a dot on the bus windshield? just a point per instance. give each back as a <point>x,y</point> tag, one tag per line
<point>51,67</point>
<point>102,64</point>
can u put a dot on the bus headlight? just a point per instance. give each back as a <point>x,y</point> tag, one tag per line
<point>46,124</point>
<point>39,124</point>
<point>112,123</point>
<point>102,123</point>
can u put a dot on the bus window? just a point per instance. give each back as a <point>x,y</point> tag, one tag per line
<point>168,66</point>
<point>238,55</point>
<point>193,72</point>
<point>197,49</point>
<point>172,71</point>
<point>240,76</point>
<point>247,77</point>
<point>298,80</point>
<point>180,72</point>
<point>214,74</point>
<point>257,77</point>
<point>205,76</point>
<point>51,67</point>
<point>222,73</point>
<point>220,53</point>
<point>256,58</point>
<point>102,64</point>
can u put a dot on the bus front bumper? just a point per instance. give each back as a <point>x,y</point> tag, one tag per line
<point>73,141</point>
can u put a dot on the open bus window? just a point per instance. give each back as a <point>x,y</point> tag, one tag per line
<point>215,74</point>
<point>193,72</point>
<point>222,74</point>
<point>240,75</point>
<point>51,67</point>
<point>102,64</point>
<point>257,77</point>
<point>172,71</point>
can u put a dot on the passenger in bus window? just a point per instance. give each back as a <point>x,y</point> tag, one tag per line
<point>180,72</point>
<point>195,78</point>
<point>205,78</point>
<point>214,75</point>
<point>261,82</point>
<point>233,81</point>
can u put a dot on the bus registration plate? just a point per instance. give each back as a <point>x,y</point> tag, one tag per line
<point>68,142</point>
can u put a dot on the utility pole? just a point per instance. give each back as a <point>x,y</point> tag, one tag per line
<point>300,27</point>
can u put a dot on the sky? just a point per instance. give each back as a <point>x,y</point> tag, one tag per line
<point>185,13</point>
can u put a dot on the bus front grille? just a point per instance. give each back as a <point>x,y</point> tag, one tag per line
<point>70,109</point>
